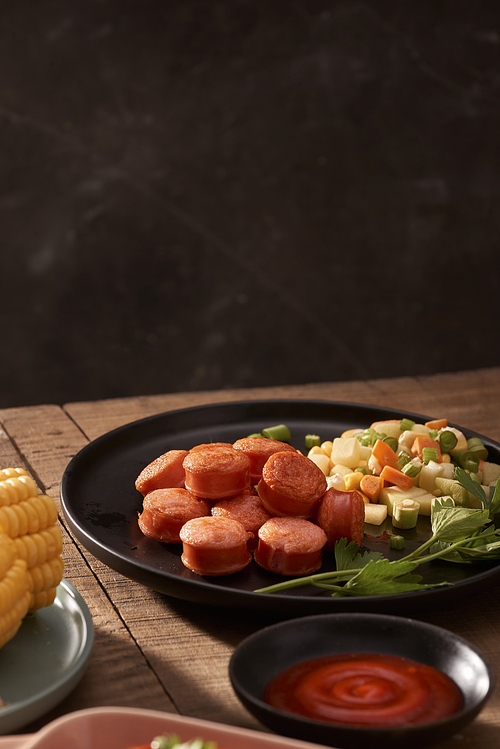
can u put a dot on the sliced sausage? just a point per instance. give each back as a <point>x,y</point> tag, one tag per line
<point>291,485</point>
<point>341,514</point>
<point>164,512</point>
<point>216,471</point>
<point>214,546</point>
<point>247,509</point>
<point>290,546</point>
<point>259,449</point>
<point>203,445</point>
<point>164,472</point>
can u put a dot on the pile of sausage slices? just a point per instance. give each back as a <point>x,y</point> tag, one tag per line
<point>256,497</point>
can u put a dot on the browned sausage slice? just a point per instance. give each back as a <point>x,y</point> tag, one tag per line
<point>341,514</point>
<point>164,472</point>
<point>290,546</point>
<point>216,472</point>
<point>259,449</point>
<point>214,546</point>
<point>166,510</point>
<point>247,509</point>
<point>291,485</point>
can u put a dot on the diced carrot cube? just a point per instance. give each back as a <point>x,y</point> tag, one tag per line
<point>396,477</point>
<point>437,423</point>
<point>384,454</point>
<point>371,486</point>
<point>422,441</point>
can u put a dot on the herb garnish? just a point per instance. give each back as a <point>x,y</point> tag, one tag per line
<point>459,534</point>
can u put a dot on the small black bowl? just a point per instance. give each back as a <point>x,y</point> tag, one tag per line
<point>265,654</point>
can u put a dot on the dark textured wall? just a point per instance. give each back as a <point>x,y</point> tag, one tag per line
<point>229,193</point>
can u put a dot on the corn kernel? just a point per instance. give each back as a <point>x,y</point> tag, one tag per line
<point>352,480</point>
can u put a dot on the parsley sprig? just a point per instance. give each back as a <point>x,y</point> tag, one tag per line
<point>459,534</point>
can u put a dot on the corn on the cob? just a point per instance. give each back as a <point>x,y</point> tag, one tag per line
<point>15,595</point>
<point>8,473</point>
<point>45,576</point>
<point>40,600</point>
<point>16,488</point>
<point>37,548</point>
<point>33,539</point>
<point>29,516</point>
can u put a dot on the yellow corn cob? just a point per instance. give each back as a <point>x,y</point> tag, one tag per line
<point>8,473</point>
<point>40,600</point>
<point>15,596</point>
<point>31,565</point>
<point>16,489</point>
<point>8,553</point>
<point>37,548</point>
<point>29,516</point>
<point>13,585</point>
<point>45,576</point>
<point>12,620</point>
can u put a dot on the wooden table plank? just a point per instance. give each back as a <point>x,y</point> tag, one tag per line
<point>463,397</point>
<point>181,649</point>
<point>118,672</point>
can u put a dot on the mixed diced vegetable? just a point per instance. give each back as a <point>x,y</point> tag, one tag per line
<point>400,466</point>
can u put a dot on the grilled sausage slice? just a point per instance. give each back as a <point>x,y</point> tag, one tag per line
<point>290,546</point>
<point>164,472</point>
<point>164,512</point>
<point>291,485</point>
<point>216,471</point>
<point>214,546</point>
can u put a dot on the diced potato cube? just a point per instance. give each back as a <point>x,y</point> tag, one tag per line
<point>421,429</point>
<point>491,472</point>
<point>375,514</point>
<point>428,474</point>
<point>425,502</point>
<point>342,469</point>
<point>390,494</point>
<point>365,452</point>
<point>390,428</point>
<point>406,439</point>
<point>346,451</point>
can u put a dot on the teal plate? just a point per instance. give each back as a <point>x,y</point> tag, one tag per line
<point>45,660</point>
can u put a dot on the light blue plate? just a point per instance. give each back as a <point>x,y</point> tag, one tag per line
<point>45,660</point>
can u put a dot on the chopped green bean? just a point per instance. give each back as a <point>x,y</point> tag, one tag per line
<point>279,432</point>
<point>397,542</point>
<point>406,425</point>
<point>312,440</point>
<point>447,441</point>
<point>429,453</point>
<point>392,442</point>
<point>411,470</point>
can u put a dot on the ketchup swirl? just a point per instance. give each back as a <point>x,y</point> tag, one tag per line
<point>365,690</point>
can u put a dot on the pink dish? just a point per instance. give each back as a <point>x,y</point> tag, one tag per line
<point>122,727</point>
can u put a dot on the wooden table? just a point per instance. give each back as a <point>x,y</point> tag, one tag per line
<point>165,654</point>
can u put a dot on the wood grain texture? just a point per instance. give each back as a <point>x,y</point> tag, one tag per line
<point>159,652</point>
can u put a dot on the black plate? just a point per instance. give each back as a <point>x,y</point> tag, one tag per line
<point>101,506</point>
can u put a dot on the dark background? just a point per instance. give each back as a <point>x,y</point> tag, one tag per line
<point>233,193</point>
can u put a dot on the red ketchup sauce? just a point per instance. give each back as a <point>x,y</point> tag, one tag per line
<point>365,689</point>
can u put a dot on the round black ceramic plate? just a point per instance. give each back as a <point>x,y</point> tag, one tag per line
<point>101,506</point>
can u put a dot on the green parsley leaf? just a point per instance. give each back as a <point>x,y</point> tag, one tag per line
<point>347,556</point>
<point>384,578</point>
<point>452,524</point>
